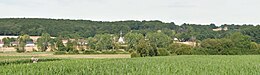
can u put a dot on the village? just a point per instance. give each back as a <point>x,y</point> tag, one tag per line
<point>32,46</point>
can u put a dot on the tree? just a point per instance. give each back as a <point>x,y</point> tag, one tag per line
<point>70,46</point>
<point>179,49</point>
<point>104,42</point>
<point>43,42</point>
<point>158,39</point>
<point>6,41</point>
<point>22,42</point>
<point>91,43</point>
<point>53,44</point>
<point>143,48</point>
<point>132,39</point>
<point>60,45</point>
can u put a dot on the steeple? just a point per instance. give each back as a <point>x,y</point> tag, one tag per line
<point>121,38</point>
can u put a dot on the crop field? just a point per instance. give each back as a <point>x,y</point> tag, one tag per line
<point>171,65</point>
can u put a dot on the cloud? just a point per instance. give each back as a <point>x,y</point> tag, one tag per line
<point>179,11</point>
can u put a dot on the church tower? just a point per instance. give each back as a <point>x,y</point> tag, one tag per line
<point>121,38</point>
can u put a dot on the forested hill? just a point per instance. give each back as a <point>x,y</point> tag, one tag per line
<point>88,28</point>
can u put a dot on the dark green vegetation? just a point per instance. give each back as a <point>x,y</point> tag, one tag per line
<point>143,38</point>
<point>8,60</point>
<point>87,28</point>
<point>177,65</point>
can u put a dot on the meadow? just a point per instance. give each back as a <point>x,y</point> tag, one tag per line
<point>169,65</point>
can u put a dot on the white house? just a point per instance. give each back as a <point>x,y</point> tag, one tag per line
<point>29,44</point>
<point>220,29</point>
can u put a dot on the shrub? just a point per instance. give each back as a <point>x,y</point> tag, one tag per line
<point>199,51</point>
<point>20,50</point>
<point>108,52</point>
<point>122,52</point>
<point>180,49</point>
<point>90,52</point>
<point>34,50</point>
<point>73,52</point>
<point>163,52</point>
<point>131,50</point>
<point>60,52</point>
<point>134,54</point>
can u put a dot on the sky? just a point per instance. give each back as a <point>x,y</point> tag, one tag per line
<point>177,11</point>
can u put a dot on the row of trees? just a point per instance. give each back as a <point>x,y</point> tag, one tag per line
<point>152,44</point>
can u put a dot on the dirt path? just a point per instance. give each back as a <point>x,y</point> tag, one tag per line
<point>94,56</point>
<point>71,56</point>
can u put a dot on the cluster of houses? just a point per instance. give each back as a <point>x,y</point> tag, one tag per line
<point>30,45</point>
<point>14,43</point>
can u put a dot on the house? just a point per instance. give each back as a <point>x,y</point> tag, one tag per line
<point>188,43</point>
<point>64,41</point>
<point>1,44</point>
<point>29,44</point>
<point>14,43</point>
<point>34,38</point>
<point>220,29</point>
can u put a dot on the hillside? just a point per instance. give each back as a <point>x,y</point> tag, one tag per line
<point>87,28</point>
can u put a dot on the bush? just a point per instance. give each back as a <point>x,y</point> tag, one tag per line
<point>73,52</point>
<point>34,50</point>
<point>180,49</point>
<point>134,54</point>
<point>131,50</point>
<point>163,52</point>
<point>60,52</point>
<point>108,52</point>
<point>199,51</point>
<point>90,52</point>
<point>20,50</point>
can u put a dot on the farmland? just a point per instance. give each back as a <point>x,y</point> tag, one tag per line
<point>179,65</point>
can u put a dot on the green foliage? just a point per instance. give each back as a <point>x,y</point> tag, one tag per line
<point>143,48</point>
<point>104,42</point>
<point>180,49</point>
<point>108,52</point>
<point>233,44</point>
<point>132,39</point>
<point>43,42</point>
<point>177,65</point>
<point>159,40</point>
<point>7,41</point>
<point>70,46</point>
<point>135,54</point>
<point>60,45</point>
<point>91,42</point>
<point>163,52</point>
<point>22,42</point>
<point>60,52</point>
<point>73,52</point>
<point>91,52</point>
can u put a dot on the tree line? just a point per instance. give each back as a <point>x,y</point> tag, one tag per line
<point>143,38</point>
<point>86,28</point>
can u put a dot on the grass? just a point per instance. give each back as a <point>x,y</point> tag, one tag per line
<point>171,65</point>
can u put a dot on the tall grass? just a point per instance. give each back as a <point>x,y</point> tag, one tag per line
<point>172,65</point>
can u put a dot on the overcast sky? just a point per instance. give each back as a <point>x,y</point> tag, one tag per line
<point>178,11</point>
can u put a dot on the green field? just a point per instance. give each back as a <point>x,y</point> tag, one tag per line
<point>172,65</point>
